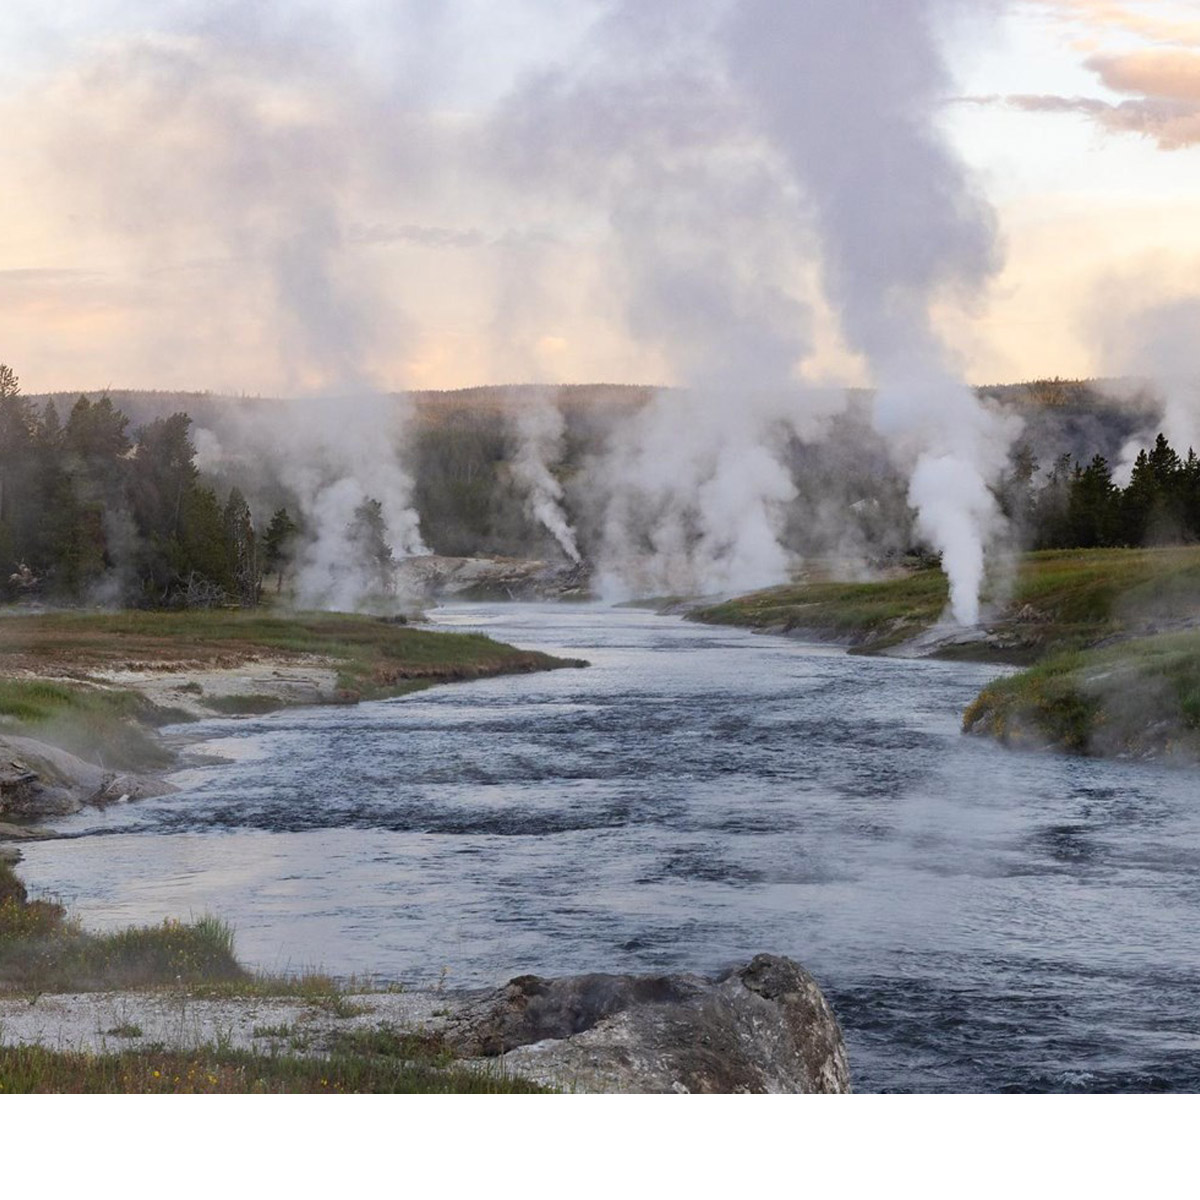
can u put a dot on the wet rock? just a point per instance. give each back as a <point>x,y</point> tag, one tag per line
<point>761,1027</point>
<point>54,783</point>
<point>22,833</point>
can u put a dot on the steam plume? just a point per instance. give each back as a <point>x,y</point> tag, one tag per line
<point>540,427</point>
<point>329,456</point>
<point>900,227</point>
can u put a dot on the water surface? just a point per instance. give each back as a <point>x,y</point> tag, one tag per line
<point>980,919</point>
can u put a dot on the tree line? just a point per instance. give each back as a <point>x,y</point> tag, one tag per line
<point>92,511</point>
<point>1077,506</point>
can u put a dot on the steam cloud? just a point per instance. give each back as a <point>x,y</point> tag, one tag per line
<point>1158,343</point>
<point>901,226</point>
<point>328,456</point>
<point>743,169</point>
<point>539,427</point>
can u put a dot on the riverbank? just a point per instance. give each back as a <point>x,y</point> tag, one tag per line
<point>1111,640</point>
<point>1139,699</point>
<point>82,695</point>
<point>168,1008</point>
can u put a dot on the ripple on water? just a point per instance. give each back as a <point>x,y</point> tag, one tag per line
<point>982,920</point>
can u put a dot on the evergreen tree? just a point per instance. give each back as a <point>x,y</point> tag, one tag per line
<point>1153,505</point>
<point>241,549</point>
<point>1049,510</point>
<point>1092,518</point>
<point>370,551</point>
<point>162,480</point>
<point>20,519</point>
<point>202,566</point>
<point>278,545</point>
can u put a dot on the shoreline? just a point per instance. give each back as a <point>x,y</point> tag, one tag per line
<point>87,697</point>
<point>1107,642</point>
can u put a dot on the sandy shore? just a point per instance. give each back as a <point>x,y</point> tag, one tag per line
<point>124,1020</point>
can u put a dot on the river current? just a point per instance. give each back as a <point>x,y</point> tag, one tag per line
<point>981,919</point>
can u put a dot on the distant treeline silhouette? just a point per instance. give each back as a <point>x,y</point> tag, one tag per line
<point>92,510</point>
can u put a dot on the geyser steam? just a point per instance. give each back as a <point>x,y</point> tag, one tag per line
<point>848,91</point>
<point>539,428</point>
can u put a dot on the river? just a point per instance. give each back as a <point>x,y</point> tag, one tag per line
<point>981,919</point>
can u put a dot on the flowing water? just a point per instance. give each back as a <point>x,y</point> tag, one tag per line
<point>980,919</point>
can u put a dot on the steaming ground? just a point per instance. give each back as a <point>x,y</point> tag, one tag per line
<point>737,192</point>
<point>981,919</point>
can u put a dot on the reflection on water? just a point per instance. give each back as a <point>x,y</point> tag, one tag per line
<point>980,919</point>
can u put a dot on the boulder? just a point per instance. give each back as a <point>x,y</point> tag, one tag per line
<point>761,1027</point>
<point>38,779</point>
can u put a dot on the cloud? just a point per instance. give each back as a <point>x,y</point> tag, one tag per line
<point>1173,124</point>
<point>1164,74</point>
<point>419,235</point>
<point>1150,21</point>
<point>1165,90</point>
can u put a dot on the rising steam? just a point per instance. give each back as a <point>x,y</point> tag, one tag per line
<point>328,456</point>
<point>900,226</point>
<point>540,428</point>
<point>726,184</point>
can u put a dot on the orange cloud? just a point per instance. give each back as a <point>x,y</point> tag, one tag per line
<point>1164,84</point>
<point>1166,74</point>
<point>1173,124</point>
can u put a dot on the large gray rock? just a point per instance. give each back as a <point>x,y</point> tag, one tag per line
<point>38,779</point>
<point>762,1027</point>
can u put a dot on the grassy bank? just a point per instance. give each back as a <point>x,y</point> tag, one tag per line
<point>372,655</point>
<point>51,663</point>
<point>1052,602</point>
<point>1140,698</point>
<point>867,616</point>
<point>388,1062</point>
<point>1109,637</point>
<point>43,951</point>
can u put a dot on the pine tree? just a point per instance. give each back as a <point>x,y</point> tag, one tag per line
<point>370,551</point>
<point>241,549</point>
<point>278,545</point>
<point>1092,506</point>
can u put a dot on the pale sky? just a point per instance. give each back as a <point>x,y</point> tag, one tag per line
<point>274,198</point>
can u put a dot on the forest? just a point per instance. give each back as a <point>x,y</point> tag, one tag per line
<point>99,508</point>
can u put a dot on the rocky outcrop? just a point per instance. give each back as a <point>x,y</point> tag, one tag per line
<point>41,780</point>
<point>761,1027</point>
<point>432,576</point>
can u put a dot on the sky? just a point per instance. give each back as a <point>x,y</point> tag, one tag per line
<point>290,198</point>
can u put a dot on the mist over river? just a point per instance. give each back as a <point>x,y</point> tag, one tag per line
<point>980,919</point>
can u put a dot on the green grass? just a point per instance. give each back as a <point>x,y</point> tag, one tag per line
<point>1058,600</point>
<point>1140,698</point>
<point>113,726</point>
<point>384,1063</point>
<point>110,726</point>
<point>373,656</point>
<point>875,615</point>
<point>1107,635</point>
<point>42,950</point>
